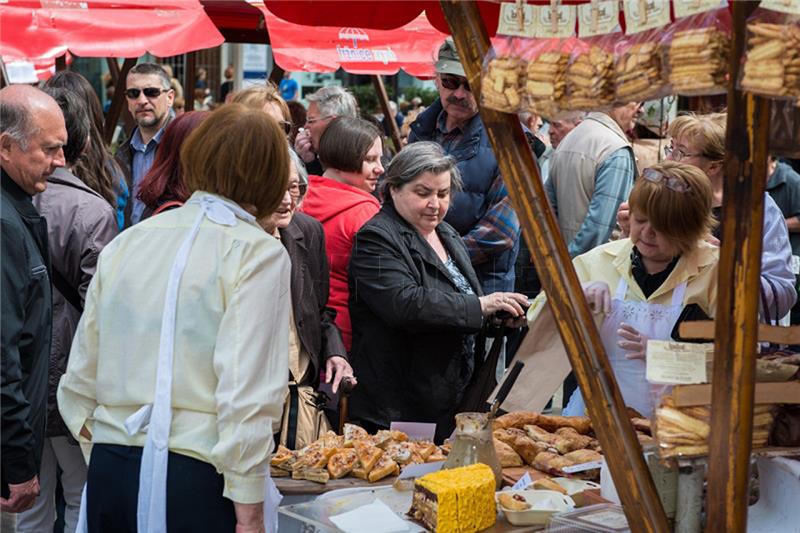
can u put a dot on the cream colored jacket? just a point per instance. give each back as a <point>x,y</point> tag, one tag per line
<point>230,366</point>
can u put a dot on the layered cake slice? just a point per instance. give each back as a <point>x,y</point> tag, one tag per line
<point>459,500</point>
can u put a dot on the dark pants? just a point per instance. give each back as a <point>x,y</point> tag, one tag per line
<point>194,493</point>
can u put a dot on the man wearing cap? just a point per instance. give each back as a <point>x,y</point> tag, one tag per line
<point>481,212</point>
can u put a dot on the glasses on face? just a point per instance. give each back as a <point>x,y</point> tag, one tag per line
<point>452,83</point>
<point>677,154</point>
<point>673,183</point>
<point>287,126</point>
<point>149,92</point>
<point>310,120</point>
<point>296,190</point>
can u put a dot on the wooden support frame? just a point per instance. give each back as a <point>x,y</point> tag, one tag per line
<point>189,73</point>
<point>383,98</point>
<point>61,63</point>
<point>118,102</point>
<point>733,384</point>
<point>621,447</point>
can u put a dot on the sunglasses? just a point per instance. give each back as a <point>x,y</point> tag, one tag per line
<point>317,119</point>
<point>452,83</point>
<point>296,190</point>
<point>287,126</point>
<point>149,92</point>
<point>674,183</point>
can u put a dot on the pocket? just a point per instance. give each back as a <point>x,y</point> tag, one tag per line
<point>38,271</point>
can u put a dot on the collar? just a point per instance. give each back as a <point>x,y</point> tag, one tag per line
<point>21,200</point>
<point>292,232</point>
<point>688,265</point>
<point>221,210</point>
<point>441,124</point>
<point>610,123</point>
<point>779,176</point>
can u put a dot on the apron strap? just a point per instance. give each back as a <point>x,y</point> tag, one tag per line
<point>678,293</point>
<point>622,289</point>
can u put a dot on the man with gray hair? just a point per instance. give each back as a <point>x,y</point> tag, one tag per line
<point>32,136</point>
<point>150,96</point>
<point>324,105</point>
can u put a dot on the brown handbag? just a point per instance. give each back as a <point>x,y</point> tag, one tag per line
<point>304,420</point>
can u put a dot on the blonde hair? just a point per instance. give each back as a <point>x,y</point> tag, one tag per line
<point>252,171</point>
<point>257,96</point>
<point>683,217</point>
<point>706,131</point>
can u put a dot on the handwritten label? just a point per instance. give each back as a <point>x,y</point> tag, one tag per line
<point>582,467</point>
<point>523,482</point>
<point>791,7</point>
<point>677,363</point>
<point>554,21</point>
<point>641,15</point>
<point>514,21</point>
<point>415,471</point>
<point>687,8</point>
<point>415,430</point>
<point>598,18</point>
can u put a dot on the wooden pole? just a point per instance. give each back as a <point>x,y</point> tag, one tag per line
<point>276,75</point>
<point>113,69</point>
<point>188,81</point>
<point>61,63</point>
<point>118,102</point>
<point>565,296</point>
<point>746,151</point>
<point>383,98</point>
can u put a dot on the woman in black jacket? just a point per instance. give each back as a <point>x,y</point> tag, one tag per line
<point>415,301</point>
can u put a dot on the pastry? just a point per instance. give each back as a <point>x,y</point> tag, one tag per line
<point>513,502</point>
<point>583,456</point>
<point>772,62</point>
<point>546,483</point>
<point>353,433</point>
<point>545,79</point>
<point>368,455</point>
<point>425,449</point>
<point>501,84</point>
<point>641,424</point>
<point>508,457</point>
<point>698,60</point>
<point>551,462</point>
<point>581,424</point>
<point>589,77</point>
<point>670,417</point>
<point>637,73</point>
<point>385,467</point>
<point>459,499</point>
<point>341,463</point>
<point>515,419</point>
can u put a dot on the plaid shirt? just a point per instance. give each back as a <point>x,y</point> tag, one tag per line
<point>499,228</point>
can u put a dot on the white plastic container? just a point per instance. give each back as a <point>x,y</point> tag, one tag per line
<point>544,504</point>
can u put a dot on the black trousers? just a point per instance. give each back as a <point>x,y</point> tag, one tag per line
<point>194,493</point>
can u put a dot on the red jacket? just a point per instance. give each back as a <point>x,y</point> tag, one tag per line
<point>342,210</point>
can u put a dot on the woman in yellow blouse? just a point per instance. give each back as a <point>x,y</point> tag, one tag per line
<point>643,283</point>
<point>179,362</point>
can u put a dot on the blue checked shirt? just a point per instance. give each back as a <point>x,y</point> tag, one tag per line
<point>142,160</point>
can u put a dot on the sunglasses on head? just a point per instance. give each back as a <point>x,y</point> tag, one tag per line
<point>149,92</point>
<point>673,183</point>
<point>452,83</point>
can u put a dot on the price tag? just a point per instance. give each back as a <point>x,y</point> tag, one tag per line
<point>515,21</point>
<point>790,7</point>
<point>415,471</point>
<point>598,18</point>
<point>686,8</point>
<point>645,15</point>
<point>582,467</point>
<point>523,482</point>
<point>677,363</point>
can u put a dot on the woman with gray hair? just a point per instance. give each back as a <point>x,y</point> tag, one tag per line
<point>415,301</point>
<point>315,343</point>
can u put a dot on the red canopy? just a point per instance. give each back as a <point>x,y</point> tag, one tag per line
<point>104,28</point>
<point>411,47</point>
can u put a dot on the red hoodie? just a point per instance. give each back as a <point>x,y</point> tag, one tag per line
<point>342,210</point>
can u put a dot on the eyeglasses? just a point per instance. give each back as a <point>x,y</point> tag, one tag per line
<point>674,183</point>
<point>149,92</point>
<point>452,83</point>
<point>296,190</point>
<point>313,120</point>
<point>677,153</point>
<point>287,126</point>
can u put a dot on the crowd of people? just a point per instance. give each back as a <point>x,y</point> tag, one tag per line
<point>172,313</point>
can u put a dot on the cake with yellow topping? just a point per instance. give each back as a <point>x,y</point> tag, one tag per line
<point>459,500</point>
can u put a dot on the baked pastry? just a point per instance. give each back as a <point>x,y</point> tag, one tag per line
<point>455,500</point>
<point>545,81</point>
<point>515,419</point>
<point>546,483</point>
<point>368,455</point>
<point>425,449</point>
<point>314,458</point>
<point>318,475</point>
<point>698,60</point>
<point>353,433</point>
<point>501,84</point>
<point>385,467</point>
<point>590,82</point>
<point>508,457</point>
<point>513,502</point>
<point>581,424</point>
<point>637,72</point>
<point>772,63</point>
<point>551,463</point>
<point>583,456</point>
<point>576,440</point>
<point>341,463</point>
<point>641,424</point>
<point>401,452</point>
<point>284,458</point>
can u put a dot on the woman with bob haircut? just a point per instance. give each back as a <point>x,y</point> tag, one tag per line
<point>699,140</point>
<point>341,199</point>
<point>163,187</point>
<point>266,98</point>
<point>179,367</point>
<point>415,300</point>
<point>642,284</point>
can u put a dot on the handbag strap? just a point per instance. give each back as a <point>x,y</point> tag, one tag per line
<point>294,405</point>
<point>66,289</point>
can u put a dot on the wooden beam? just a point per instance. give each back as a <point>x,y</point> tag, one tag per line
<point>113,69</point>
<point>276,75</point>
<point>746,151</point>
<point>189,75</point>
<point>383,98</point>
<point>61,63</point>
<point>118,102</point>
<point>581,339</point>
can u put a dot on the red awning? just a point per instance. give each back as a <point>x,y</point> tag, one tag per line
<point>382,15</point>
<point>411,47</point>
<point>104,28</point>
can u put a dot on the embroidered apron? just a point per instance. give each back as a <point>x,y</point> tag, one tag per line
<point>156,418</point>
<point>654,321</point>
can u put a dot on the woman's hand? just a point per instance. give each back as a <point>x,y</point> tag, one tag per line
<point>249,517</point>
<point>632,341</point>
<point>598,295</point>
<point>512,303</point>
<point>624,219</point>
<point>336,369</point>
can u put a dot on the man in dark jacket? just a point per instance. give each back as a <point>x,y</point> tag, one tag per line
<point>32,135</point>
<point>482,212</point>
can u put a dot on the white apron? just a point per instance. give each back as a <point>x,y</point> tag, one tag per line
<point>156,418</point>
<point>654,321</point>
